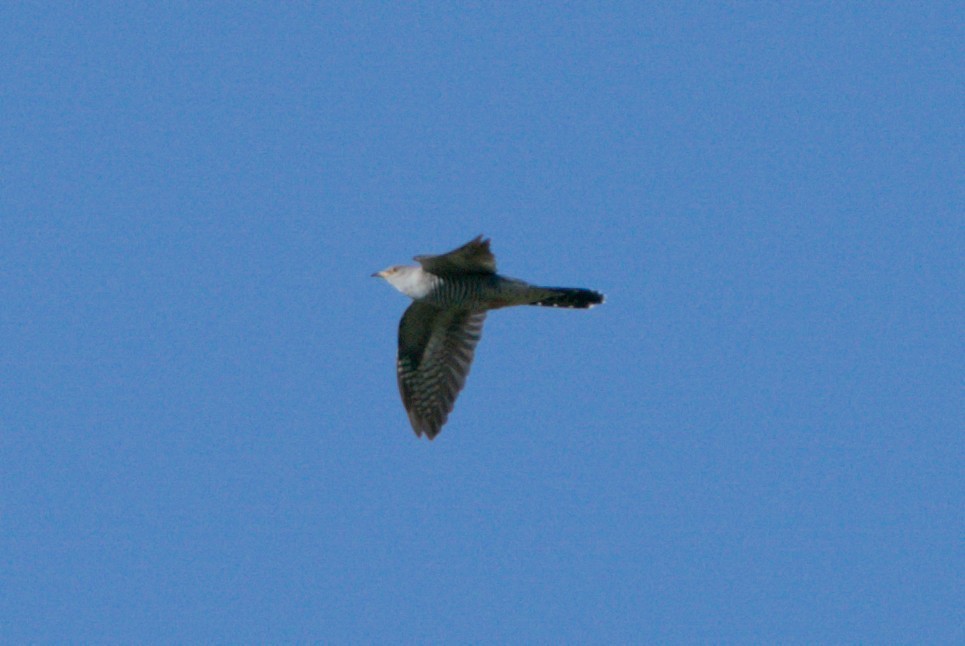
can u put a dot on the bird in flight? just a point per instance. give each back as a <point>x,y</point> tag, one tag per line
<point>438,333</point>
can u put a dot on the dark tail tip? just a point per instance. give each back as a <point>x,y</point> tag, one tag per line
<point>570,297</point>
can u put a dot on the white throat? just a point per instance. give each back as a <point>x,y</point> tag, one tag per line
<point>411,281</point>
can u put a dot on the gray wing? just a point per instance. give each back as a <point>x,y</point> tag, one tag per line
<point>474,257</point>
<point>436,347</point>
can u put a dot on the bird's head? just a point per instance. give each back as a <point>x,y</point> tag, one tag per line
<point>408,280</point>
<point>389,272</point>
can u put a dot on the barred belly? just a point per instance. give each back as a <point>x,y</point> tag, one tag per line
<point>476,292</point>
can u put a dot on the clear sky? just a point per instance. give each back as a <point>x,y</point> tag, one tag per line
<point>758,438</point>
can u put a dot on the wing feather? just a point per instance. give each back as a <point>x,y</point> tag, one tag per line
<point>436,349</point>
<point>474,257</point>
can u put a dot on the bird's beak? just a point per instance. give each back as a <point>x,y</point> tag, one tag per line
<point>378,274</point>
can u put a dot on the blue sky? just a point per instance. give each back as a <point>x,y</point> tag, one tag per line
<point>756,439</point>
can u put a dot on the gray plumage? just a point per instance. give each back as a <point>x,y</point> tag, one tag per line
<point>439,331</point>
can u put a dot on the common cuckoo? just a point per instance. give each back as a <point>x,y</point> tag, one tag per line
<point>439,331</point>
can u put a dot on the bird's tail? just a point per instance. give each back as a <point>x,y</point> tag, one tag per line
<point>568,297</point>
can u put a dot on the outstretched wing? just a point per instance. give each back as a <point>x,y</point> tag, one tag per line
<point>436,347</point>
<point>474,257</point>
